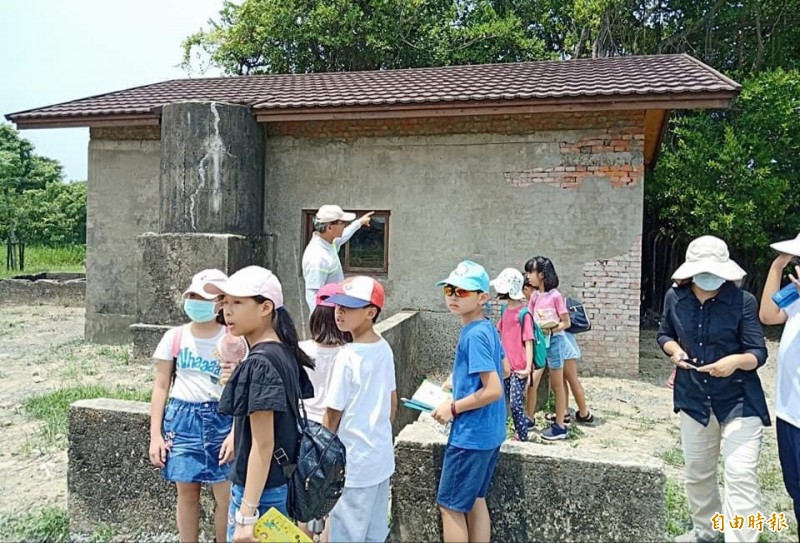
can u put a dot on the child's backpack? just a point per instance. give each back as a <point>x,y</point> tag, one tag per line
<point>579,320</point>
<point>539,339</point>
<point>316,479</point>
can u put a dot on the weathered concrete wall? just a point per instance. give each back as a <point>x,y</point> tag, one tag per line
<point>540,492</point>
<point>44,291</point>
<point>122,202</point>
<point>497,190</point>
<point>110,478</point>
<point>402,332</point>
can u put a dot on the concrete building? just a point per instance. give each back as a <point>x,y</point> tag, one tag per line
<point>496,163</point>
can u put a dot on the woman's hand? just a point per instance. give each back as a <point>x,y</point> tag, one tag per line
<point>158,451</point>
<point>679,358</point>
<point>226,451</point>
<point>244,534</point>
<point>721,368</point>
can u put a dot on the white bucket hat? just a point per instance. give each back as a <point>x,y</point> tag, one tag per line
<point>709,254</point>
<point>509,282</point>
<point>790,246</point>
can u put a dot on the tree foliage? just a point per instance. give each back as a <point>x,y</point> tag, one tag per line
<point>37,205</point>
<point>734,174</point>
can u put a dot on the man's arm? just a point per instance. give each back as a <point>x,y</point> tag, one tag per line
<point>351,229</point>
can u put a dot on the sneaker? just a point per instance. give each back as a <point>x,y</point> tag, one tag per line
<point>588,419</point>
<point>551,418</point>
<point>531,424</point>
<point>554,432</point>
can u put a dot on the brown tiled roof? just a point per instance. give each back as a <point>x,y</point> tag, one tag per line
<point>443,87</point>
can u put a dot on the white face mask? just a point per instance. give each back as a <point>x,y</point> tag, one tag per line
<point>708,281</point>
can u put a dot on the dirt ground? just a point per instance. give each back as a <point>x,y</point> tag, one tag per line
<point>41,349</point>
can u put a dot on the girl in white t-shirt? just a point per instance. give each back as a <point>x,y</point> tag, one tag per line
<point>189,439</point>
<point>326,342</point>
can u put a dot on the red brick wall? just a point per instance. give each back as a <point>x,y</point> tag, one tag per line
<point>611,296</point>
<point>617,123</point>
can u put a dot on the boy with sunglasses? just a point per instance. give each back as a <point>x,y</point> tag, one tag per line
<point>478,410</point>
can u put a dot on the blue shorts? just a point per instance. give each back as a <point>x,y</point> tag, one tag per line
<point>571,349</point>
<point>271,497</point>
<point>466,476</point>
<point>555,352</point>
<point>196,431</point>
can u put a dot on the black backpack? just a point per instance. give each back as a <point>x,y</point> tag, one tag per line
<point>579,320</point>
<point>316,478</point>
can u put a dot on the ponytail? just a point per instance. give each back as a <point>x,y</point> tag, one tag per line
<point>287,333</point>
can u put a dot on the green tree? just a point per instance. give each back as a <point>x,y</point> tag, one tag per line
<point>298,36</point>
<point>37,205</point>
<point>736,173</point>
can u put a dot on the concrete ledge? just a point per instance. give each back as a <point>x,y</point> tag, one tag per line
<point>44,289</point>
<point>540,492</point>
<point>145,338</point>
<point>110,478</point>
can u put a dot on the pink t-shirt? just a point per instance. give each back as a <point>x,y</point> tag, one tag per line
<point>547,306</point>
<point>513,336</point>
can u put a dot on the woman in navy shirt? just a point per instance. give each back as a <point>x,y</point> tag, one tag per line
<point>711,332</point>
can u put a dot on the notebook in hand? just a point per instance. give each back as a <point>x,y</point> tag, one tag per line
<point>427,397</point>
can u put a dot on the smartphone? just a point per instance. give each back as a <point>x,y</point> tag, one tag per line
<point>691,362</point>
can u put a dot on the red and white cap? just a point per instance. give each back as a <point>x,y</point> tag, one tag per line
<point>357,292</point>
<point>248,282</point>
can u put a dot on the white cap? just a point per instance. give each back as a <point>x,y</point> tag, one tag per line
<point>790,246</point>
<point>202,278</point>
<point>330,213</point>
<point>709,254</point>
<point>510,281</point>
<point>248,282</point>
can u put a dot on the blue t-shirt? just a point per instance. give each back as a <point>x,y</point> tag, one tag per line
<point>478,350</point>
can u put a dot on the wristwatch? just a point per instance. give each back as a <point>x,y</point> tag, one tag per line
<point>246,521</point>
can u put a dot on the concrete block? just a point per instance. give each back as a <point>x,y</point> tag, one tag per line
<point>107,328</point>
<point>167,263</point>
<point>145,338</point>
<point>401,331</point>
<point>110,478</point>
<point>212,169</point>
<point>42,290</point>
<point>539,493</point>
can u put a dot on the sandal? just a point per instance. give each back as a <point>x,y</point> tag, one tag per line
<point>588,419</point>
<point>551,418</point>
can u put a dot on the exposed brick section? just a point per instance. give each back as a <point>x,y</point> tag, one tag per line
<point>611,154</point>
<point>614,124</point>
<point>611,294</point>
<point>126,133</point>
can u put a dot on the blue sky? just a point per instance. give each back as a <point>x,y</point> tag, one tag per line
<point>57,50</point>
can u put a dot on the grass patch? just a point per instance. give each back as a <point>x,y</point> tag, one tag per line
<point>69,258</point>
<point>53,407</point>
<point>50,524</point>
<point>672,456</point>
<point>679,519</point>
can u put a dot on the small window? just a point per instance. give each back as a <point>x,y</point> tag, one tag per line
<point>367,252</point>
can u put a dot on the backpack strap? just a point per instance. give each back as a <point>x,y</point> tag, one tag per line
<point>176,342</point>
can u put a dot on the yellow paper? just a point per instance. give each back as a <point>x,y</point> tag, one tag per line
<point>274,527</point>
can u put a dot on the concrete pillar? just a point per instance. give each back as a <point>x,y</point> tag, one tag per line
<point>212,169</point>
<point>211,211</point>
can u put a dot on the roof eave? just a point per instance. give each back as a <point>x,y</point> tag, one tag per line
<point>707,100</point>
<point>691,100</point>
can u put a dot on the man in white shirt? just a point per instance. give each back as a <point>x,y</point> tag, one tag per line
<point>321,263</point>
<point>787,398</point>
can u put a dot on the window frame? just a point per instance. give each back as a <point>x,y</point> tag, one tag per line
<point>308,231</point>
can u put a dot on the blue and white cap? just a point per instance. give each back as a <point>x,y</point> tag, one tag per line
<point>469,276</point>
